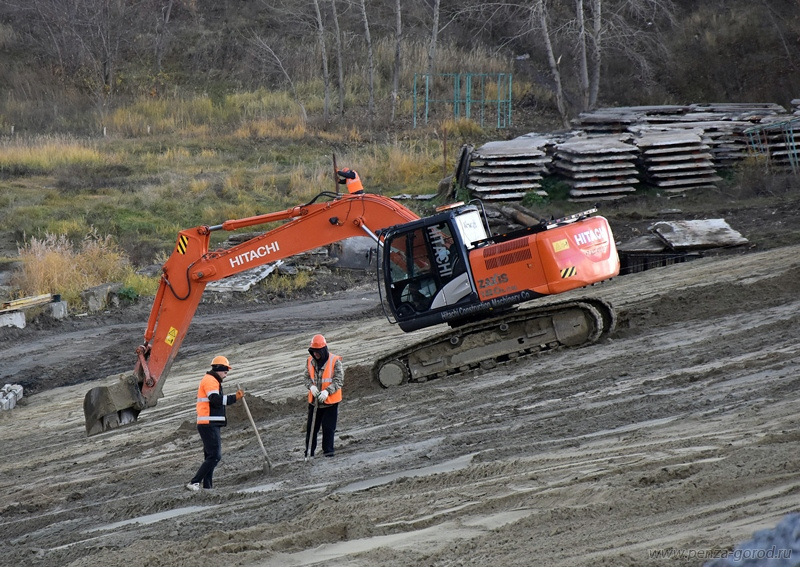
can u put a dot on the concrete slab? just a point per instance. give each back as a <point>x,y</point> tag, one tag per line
<point>710,233</point>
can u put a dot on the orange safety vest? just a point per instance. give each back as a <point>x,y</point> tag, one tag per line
<point>354,185</point>
<point>326,380</point>
<point>209,385</point>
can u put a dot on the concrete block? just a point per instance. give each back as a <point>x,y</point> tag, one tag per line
<point>97,298</point>
<point>57,309</point>
<point>12,319</point>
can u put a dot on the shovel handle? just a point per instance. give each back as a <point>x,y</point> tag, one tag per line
<point>253,423</point>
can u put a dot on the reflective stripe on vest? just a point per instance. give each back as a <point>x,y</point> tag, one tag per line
<point>326,380</point>
<point>208,385</point>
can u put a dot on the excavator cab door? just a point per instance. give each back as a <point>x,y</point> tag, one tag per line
<point>426,266</point>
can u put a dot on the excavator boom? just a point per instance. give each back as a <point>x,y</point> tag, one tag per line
<point>191,266</point>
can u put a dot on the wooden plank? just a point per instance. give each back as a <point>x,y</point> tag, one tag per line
<point>25,302</point>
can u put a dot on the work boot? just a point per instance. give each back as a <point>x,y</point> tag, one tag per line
<point>193,486</point>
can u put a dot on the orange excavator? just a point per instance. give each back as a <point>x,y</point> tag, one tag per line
<point>445,268</point>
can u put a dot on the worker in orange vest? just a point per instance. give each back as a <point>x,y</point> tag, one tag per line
<point>211,402</point>
<point>350,178</point>
<point>324,377</point>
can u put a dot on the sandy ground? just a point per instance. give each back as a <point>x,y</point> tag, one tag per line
<point>679,435</point>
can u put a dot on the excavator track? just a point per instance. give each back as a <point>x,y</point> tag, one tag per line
<point>490,342</point>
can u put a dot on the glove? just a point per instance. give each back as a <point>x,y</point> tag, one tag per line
<point>314,391</point>
<point>323,395</point>
<point>239,394</point>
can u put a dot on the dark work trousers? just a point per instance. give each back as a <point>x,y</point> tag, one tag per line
<point>212,451</point>
<point>326,419</point>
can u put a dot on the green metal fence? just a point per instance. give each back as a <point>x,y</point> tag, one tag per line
<point>482,97</point>
<point>777,143</point>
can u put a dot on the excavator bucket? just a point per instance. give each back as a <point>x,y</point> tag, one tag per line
<point>110,407</point>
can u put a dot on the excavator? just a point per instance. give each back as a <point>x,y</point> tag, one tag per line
<point>446,268</point>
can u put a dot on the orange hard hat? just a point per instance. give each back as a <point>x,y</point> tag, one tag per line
<point>318,342</point>
<point>221,361</point>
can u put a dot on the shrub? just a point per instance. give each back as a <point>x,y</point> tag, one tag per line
<point>281,284</point>
<point>54,265</point>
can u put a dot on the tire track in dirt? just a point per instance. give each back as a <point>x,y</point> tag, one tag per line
<point>679,431</point>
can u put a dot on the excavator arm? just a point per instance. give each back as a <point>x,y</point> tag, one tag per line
<point>191,266</point>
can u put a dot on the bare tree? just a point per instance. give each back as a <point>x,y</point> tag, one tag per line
<point>264,46</point>
<point>370,62</point>
<point>539,12</point>
<point>618,28</point>
<point>397,58</point>
<point>631,30</point>
<point>339,63</point>
<point>583,63</point>
<point>434,39</point>
<point>324,55</point>
<point>162,33</point>
<point>84,37</point>
<point>597,41</point>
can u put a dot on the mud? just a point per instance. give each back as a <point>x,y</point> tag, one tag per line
<point>675,438</point>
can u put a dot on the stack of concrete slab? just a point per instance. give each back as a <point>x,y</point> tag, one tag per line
<point>726,140</point>
<point>244,280</point>
<point>598,168</point>
<point>508,170</point>
<point>723,124</point>
<point>676,160</point>
<point>10,394</point>
<point>618,120</point>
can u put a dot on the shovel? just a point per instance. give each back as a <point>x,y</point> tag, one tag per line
<point>310,433</point>
<point>267,463</point>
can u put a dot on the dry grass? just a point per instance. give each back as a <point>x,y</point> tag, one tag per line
<point>282,284</point>
<point>46,153</point>
<point>54,265</point>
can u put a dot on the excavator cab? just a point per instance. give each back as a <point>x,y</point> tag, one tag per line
<point>426,265</point>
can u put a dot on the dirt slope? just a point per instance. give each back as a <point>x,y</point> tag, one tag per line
<point>678,433</point>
